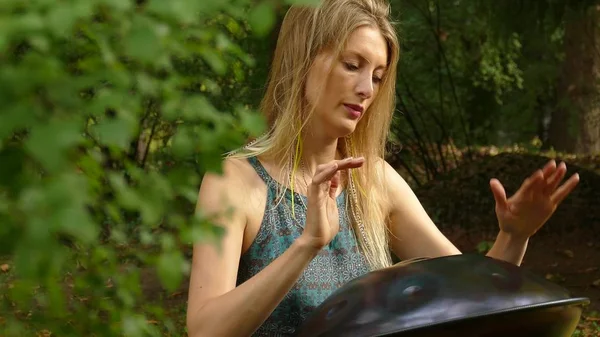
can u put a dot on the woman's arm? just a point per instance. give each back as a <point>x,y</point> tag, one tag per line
<point>413,233</point>
<point>216,307</point>
<point>509,248</point>
<point>519,217</point>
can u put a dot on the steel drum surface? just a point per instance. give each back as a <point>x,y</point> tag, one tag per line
<point>462,295</point>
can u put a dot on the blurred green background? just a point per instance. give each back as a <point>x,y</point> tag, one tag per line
<point>112,110</point>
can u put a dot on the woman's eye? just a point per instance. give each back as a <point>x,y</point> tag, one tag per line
<point>377,80</point>
<point>351,66</point>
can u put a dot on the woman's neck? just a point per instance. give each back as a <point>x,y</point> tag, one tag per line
<point>317,151</point>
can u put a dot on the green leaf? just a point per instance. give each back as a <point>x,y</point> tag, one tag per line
<point>134,325</point>
<point>11,170</point>
<point>201,230</point>
<point>160,7</point>
<point>210,6</point>
<point>26,23</point>
<point>142,42</point>
<point>147,84</point>
<point>74,220</point>
<point>108,55</point>
<point>262,18</point>
<point>40,42</point>
<point>60,20</point>
<point>151,210</point>
<point>128,197</point>
<point>60,206</point>
<point>214,60</point>
<point>10,234</point>
<point>199,108</point>
<point>183,143</point>
<point>303,2</point>
<point>171,108</point>
<point>182,11</point>
<point>170,267</point>
<point>118,5</point>
<point>116,132</point>
<point>49,143</point>
<point>107,98</point>
<point>167,242</point>
<point>253,122</point>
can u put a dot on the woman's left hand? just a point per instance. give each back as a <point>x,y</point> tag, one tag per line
<point>523,214</point>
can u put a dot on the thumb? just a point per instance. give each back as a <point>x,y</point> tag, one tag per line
<point>499,193</point>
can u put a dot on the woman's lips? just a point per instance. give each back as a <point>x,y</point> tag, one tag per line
<point>354,110</point>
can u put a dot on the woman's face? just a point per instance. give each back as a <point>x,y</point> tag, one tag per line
<point>345,96</point>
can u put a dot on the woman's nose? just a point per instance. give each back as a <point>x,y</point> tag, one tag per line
<point>364,87</point>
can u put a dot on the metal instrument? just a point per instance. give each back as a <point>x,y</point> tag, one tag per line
<point>462,295</point>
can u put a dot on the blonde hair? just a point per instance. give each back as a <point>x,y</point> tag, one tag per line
<point>305,32</point>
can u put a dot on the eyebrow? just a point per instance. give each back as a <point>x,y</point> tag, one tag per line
<point>359,55</point>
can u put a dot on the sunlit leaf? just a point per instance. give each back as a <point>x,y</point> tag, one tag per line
<point>118,5</point>
<point>126,195</point>
<point>170,267</point>
<point>183,143</point>
<point>116,132</point>
<point>202,230</point>
<point>134,325</point>
<point>262,18</point>
<point>198,107</point>
<point>252,121</point>
<point>61,19</point>
<point>303,2</point>
<point>142,42</point>
<point>48,142</point>
<point>214,60</point>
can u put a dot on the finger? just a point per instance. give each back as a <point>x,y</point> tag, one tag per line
<point>335,183</point>
<point>563,191</point>
<point>531,183</point>
<point>499,193</point>
<point>324,173</point>
<point>553,181</point>
<point>349,163</point>
<point>549,168</point>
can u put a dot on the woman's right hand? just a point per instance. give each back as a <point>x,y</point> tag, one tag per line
<point>322,217</point>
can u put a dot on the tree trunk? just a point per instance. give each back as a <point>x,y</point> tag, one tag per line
<point>575,124</point>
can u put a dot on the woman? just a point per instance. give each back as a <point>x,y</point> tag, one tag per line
<point>312,204</point>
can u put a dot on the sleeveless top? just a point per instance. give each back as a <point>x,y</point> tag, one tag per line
<point>337,263</point>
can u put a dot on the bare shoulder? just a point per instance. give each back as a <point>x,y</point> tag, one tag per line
<point>392,180</point>
<point>227,188</point>
<point>386,167</point>
<point>383,166</point>
<point>235,171</point>
<point>223,198</point>
<point>387,183</point>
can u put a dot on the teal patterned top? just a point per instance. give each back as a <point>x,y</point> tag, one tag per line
<point>336,264</point>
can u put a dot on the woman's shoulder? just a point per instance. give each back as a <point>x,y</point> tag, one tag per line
<point>393,181</point>
<point>384,168</point>
<point>232,184</point>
